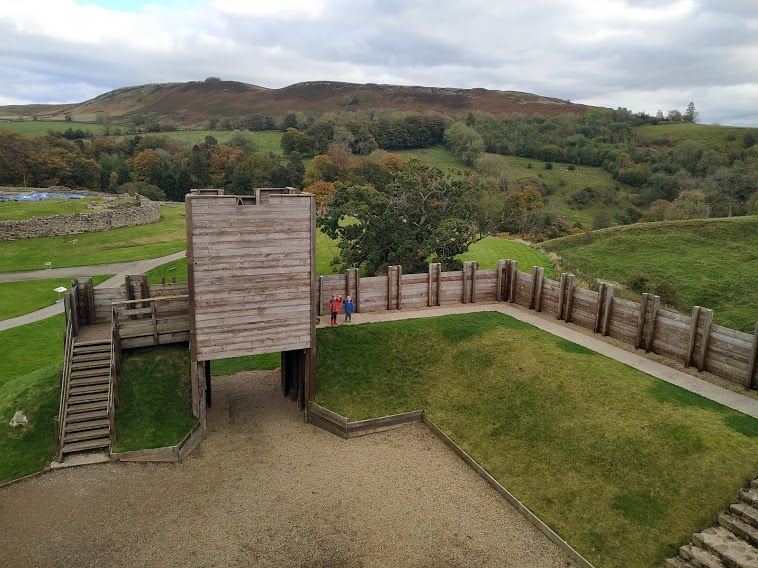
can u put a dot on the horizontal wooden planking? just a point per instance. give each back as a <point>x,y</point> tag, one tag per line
<point>454,276</point>
<point>486,290</point>
<point>727,371</point>
<point>409,279</point>
<point>247,322</point>
<point>451,292</point>
<point>147,340</point>
<point>732,336</point>
<point>739,357</point>
<point>225,352</point>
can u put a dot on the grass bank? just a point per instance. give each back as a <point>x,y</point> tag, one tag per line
<point>708,262</point>
<point>165,237</point>
<point>155,396</point>
<point>31,357</point>
<point>491,249</point>
<point>19,298</point>
<point>624,466</point>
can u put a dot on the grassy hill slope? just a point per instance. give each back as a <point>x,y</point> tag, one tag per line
<point>708,262</point>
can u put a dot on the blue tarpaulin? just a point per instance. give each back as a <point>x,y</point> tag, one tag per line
<point>40,195</point>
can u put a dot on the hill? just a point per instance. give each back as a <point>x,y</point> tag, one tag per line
<point>198,101</point>
<point>704,262</point>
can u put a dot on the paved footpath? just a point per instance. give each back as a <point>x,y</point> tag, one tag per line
<point>699,386</point>
<point>119,269</point>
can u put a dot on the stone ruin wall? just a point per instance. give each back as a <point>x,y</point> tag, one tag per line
<point>140,212</point>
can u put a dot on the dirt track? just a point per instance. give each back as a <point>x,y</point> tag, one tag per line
<point>265,489</point>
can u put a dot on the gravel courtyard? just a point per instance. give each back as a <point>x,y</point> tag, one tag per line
<point>266,489</point>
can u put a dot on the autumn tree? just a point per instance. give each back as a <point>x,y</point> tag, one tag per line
<point>323,168</point>
<point>144,162</point>
<point>323,190</point>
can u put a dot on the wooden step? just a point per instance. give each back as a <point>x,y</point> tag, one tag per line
<point>91,372</point>
<point>731,551</point>
<point>746,512</point>
<point>92,343</point>
<point>700,558</point>
<point>90,381</point>
<point>86,445</point>
<point>99,412</point>
<point>78,357</point>
<point>739,528</point>
<point>83,398</point>
<point>98,364</point>
<point>87,425</point>
<point>79,349</point>
<point>87,389</point>
<point>86,435</point>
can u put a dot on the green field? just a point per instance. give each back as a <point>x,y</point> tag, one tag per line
<point>435,156</point>
<point>118,245</point>
<point>31,357</point>
<point>623,466</point>
<point>709,135</point>
<point>708,262</point>
<point>21,210</point>
<point>42,127</point>
<point>491,249</point>
<point>19,298</point>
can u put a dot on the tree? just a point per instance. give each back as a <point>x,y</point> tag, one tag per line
<point>323,190</point>
<point>323,168</point>
<point>465,142</point>
<point>143,163</point>
<point>295,141</point>
<point>691,115</point>
<point>421,216</point>
<point>689,205</point>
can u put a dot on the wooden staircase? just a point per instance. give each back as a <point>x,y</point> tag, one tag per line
<point>731,544</point>
<point>86,423</point>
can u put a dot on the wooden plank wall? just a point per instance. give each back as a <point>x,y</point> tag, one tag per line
<point>103,297</point>
<point>722,351</point>
<point>250,273</point>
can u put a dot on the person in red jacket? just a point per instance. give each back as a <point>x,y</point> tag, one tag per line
<point>334,307</point>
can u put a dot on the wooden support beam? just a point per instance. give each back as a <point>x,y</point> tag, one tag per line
<point>163,279</point>
<point>513,281</point>
<point>562,295</point>
<point>208,398</point>
<point>464,289</point>
<point>399,285</point>
<point>357,299</point>
<point>540,286</point>
<point>653,323</point>
<point>641,320</point>
<point>499,286</point>
<point>751,379</point>
<point>599,306</point>
<point>607,308</point>
<point>706,339</point>
<point>693,334</point>
<point>569,297</point>
<point>474,268</point>
<point>534,288</point>
<point>173,279</point>
<point>154,319</point>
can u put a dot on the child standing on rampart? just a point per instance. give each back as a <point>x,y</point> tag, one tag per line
<point>334,307</point>
<point>349,309</point>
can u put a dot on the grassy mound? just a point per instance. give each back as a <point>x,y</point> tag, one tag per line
<point>624,466</point>
<point>707,262</point>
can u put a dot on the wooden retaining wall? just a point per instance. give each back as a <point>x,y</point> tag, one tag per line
<point>693,340</point>
<point>104,297</point>
<point>168,454</point>
<point>341,426</point>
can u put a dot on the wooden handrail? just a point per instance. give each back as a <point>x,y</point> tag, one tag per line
<point>68,352</point>
<point>148,300</point>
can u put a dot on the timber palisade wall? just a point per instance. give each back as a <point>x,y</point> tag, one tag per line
<point>140,212</point>
<point>693,340</point>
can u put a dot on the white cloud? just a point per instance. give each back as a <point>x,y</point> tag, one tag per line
<point>641,54</point>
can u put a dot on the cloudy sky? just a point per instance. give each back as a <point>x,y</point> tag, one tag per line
<point>644,55</point>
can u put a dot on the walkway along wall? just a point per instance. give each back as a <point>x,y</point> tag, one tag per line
<point>694,340</point>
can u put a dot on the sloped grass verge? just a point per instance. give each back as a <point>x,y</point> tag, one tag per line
<point>31,357</point>
<point>19,298</point>
<point>155,399</point>
<point>623,466</point>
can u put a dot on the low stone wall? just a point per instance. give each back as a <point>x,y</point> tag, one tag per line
<point>140,212</point>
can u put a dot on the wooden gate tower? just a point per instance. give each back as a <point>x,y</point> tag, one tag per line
<point>251,264</point>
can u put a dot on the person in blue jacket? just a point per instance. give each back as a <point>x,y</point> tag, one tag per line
<point>349,309</point>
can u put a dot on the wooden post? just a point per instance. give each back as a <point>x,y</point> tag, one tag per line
<point>706,339</point>
<point>198,389</point>
<point>641,320</point>
<point>534,288</point>
<point>500,280</point>
<point>751,382</point>
<point>599,306</point>
<point>399,285</point>
<point>434,284</point>
<point>538,292</point>
<point>320,291</point>
<point>390,272</point>
<point>357,300</point>
<point>439,284</point>
<point>693,334</point>
<point>463,282</point>
<point>173,279</point>
<point>513,279</point>
<point>208,399</point>
<point>155,323</point>
<point>163,279</point>
<point>474,268</point>
<point>74,311</point>
<point>653,322</point>
<point>569,298</point>
<point>562,295</point>
<point>607,308</point>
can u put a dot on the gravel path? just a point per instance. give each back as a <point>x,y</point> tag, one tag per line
<point>266,489</point>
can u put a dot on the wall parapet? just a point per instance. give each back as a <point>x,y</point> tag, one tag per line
<point>139,212</point>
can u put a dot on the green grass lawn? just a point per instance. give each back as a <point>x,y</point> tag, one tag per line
<point>709,135</point>
<point>709,263</point>
<point>118,245</point>
<point>19,298</point>
<point>434,156</point>
<point>155,396</point>
<point>623,466</point>
<point>21,210</point>
<point>31,357</point>
<point>491,249</point>
<point>42,127</point>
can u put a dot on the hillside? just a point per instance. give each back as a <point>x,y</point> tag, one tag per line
<point>198,101</point>
<point>707,262</point>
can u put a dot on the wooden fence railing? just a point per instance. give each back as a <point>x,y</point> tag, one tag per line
<point>72,329</point>
<point>150,321</point>
<point>694,340</point>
